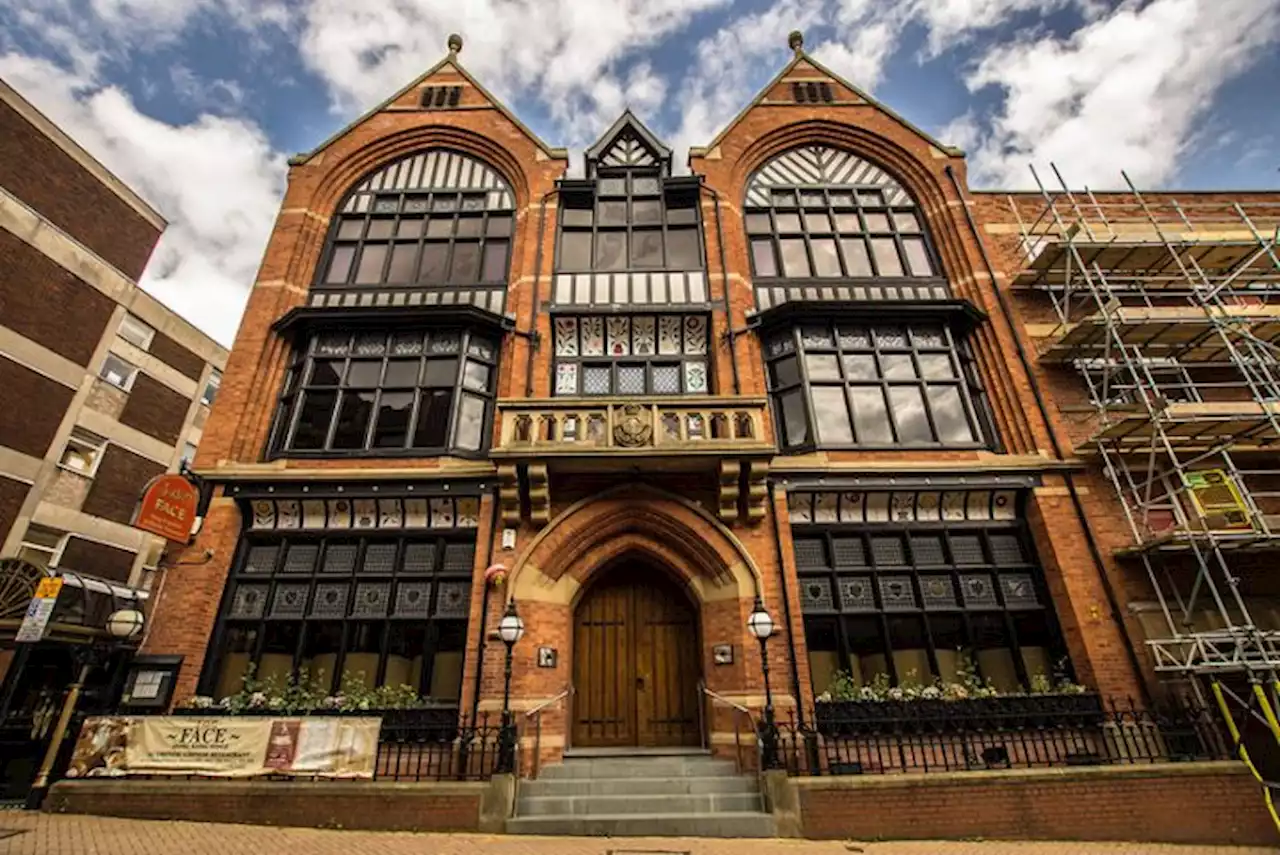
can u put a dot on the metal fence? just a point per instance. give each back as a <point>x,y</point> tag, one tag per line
<point>999,733</point>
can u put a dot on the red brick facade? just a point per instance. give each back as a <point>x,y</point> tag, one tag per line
<point>573,520</point>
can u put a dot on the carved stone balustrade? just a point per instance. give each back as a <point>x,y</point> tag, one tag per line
<point>729,435</point>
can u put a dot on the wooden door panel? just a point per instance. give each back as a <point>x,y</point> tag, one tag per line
<point>667,648</point>
<point>635,663</point>
<point>604,707</point>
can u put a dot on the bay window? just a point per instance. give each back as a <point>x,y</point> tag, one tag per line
<point>851,384</point>
<point>388,392</point>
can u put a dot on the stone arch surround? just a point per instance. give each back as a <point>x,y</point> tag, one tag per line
<point>655,524</point>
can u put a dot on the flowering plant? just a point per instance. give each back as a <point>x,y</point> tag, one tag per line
<point>496,575</point>
<point>302,694</point>
<point>967,685</point>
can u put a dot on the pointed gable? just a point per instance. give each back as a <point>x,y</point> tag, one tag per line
<point>444,86</point>
<point>628,143</point>
<point>806,82</point>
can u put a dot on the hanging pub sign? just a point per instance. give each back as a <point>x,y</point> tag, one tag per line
<point>168,508</point>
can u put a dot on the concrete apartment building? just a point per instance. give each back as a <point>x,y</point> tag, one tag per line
<point>817,373</point>
<point>102,388</point>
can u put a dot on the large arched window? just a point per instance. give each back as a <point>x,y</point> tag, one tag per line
<point>870,350</point>
<point>824,224</point>
<point>433,228</point>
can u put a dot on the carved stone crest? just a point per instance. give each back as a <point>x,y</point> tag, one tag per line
<point>632,428</point>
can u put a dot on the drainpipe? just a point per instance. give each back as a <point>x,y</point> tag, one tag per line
<point>1095,553</point>
<point>484,611</point>
<point>534,339</point>
<point>786,603</point>
<point>724,291</point>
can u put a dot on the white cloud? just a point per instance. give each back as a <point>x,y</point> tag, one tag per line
<point>569,54</point>
<point>216,180</point>
<point>1123,92</point>
<point>732,64</point>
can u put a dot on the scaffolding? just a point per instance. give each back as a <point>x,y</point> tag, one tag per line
<point>1170,311</point>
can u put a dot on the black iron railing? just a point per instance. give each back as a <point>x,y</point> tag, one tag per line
<point>870,737</point>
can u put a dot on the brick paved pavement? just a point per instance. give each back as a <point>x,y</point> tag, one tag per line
<point>43,834</point>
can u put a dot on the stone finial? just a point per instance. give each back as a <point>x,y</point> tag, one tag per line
<point>455,43</point>
<point>795,41</point>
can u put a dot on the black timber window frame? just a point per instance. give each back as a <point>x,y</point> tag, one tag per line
<point>622,208</point>
<point>868,590</point>
<point>307,595</point>
<point>858,380</point>
<point>851,235</point>
<point>446,238</point>
<point>439,382</point>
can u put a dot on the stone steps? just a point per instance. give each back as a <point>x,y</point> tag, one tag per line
<point>714,785</point>
<point>608,793</point>
<point>648,825</point>
<point>593,805</point>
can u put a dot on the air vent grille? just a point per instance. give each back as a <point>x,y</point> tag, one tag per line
<point>441,97</point>
<point>812,92</point>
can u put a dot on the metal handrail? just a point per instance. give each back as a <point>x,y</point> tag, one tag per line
<point>740,711</point>
<point>536,715</point>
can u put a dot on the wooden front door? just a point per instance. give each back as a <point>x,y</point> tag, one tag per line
<point>635,662</point>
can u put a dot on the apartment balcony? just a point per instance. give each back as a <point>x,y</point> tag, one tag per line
<point>730,436</point>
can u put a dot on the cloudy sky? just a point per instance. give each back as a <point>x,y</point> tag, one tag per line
<point>198,103</point>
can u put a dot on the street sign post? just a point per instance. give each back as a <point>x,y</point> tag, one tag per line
<point>40,610</point>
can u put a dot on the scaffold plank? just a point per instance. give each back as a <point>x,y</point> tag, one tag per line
<point>1189,333</point>
<point>1148,259</point>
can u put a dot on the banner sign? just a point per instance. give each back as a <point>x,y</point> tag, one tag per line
<point>168,508</point>
<point>40,610</point>
<point>226,746</point>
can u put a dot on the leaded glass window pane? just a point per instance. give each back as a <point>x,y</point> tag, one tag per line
<point>365,402</point>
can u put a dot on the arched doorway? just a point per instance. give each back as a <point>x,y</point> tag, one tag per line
<point>636,661</point>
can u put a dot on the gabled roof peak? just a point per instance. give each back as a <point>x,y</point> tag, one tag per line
<point>795,41</point>
<point>449,61</point>
<point>628,143</point>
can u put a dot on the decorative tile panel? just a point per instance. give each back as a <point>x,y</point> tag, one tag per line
<point>619,336</point>
<point>669,334</point>
<point>566,334</point>
<point>372,600</point>
<point>390,514</point>
<point>365,513</point>
<point>958,505</point>
<point>567,378</point>
<point>856,594</point>
<point>290,600</point>
<point>592,336</point>
<point>413,599</point>
<point>939,592</point>
<point>452,599</point>
<point>249,601</point>
<point>695,334</point>
<point>1019,590</point>
<point>977,590</point>
<point>393,514</point>
<point>815,596</point>
<point>896,592</point>
<point>644,335</point>
<point>695,377</point>
<point>330,600</point>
